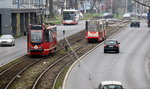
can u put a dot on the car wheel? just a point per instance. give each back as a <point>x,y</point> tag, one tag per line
<point>14,43</point>
<point>105,51</point>
<point>117,51</point>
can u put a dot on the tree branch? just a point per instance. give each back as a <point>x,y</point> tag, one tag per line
<point>141,3</point>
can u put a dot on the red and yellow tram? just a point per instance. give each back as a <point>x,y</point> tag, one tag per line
<point>41,39</point>
<point>95,30</point>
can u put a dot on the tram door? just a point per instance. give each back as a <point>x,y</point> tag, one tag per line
<point>0,24</point>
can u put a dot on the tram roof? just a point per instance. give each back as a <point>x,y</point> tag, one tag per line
<point>47,26</point>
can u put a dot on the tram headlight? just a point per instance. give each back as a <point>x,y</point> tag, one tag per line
<point>31,47</point>
<point>96,34</point>
<point>40,47</point>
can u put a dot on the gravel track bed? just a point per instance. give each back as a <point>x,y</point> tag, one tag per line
<point>10,73</point>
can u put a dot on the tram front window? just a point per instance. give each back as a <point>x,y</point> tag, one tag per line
<point>112,87</point>
<point>92,27</point>
<point>68,16</point>
<point>36,36</point>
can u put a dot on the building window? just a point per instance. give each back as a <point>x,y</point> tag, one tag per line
<point>31,1</point>
<point>14,2</point>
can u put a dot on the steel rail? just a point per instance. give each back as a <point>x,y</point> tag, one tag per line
<point>59,75</point>
<point>5,70</point>
<point>48,68</point>
<point>25,68</point>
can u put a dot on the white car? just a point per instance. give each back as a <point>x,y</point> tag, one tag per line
<point>110,85</point>
<point>7,40</point>
<point>144,15</point>
<point>126,15</point>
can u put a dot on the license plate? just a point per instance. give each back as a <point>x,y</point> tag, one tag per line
<point>111,46</point>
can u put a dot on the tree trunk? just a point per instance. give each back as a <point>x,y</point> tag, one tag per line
<point>92,8</point>
<point>71,6</point>
<point>51,9</point>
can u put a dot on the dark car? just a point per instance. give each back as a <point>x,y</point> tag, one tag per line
<point>111,45</point>
<point>135,23</point>
<point>107,15</point>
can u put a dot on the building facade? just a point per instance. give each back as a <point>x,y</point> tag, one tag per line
<point>16,15</point>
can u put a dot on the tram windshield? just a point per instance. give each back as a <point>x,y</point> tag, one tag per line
<point>36,36</point>
<point>92,26</point>
<point>68,15</point>
<point>112,87</point>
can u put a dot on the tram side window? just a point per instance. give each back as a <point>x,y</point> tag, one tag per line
<point>50,36</point>
<point>46,36</point>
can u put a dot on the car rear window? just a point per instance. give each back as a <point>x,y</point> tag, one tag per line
<point>111,42</point>
<point>112,86</point>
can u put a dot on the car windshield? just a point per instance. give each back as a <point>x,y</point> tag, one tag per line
<point>111,42</point>
<point>36,36</point>
<point>68,15</point>
<point>6,36</point>
<point>112,86</point>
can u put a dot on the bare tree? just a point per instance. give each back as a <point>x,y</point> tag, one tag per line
<point>115,6</point>
<point>71,5</point>
<point>51,9</point>
<point>94,5</point>
<point>141,3</point>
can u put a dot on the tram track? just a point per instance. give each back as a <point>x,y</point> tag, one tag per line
<point>46,64</point>
<point>9,74</point>
<point>47,78</point>
<point>8,80</point>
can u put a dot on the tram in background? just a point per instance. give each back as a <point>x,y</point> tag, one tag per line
<point>41,39</point>
<point>95,30</point>
<point>70,16</point>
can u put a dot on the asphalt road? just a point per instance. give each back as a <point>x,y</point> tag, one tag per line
<point>129,66</point>
<point>9,53</point>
